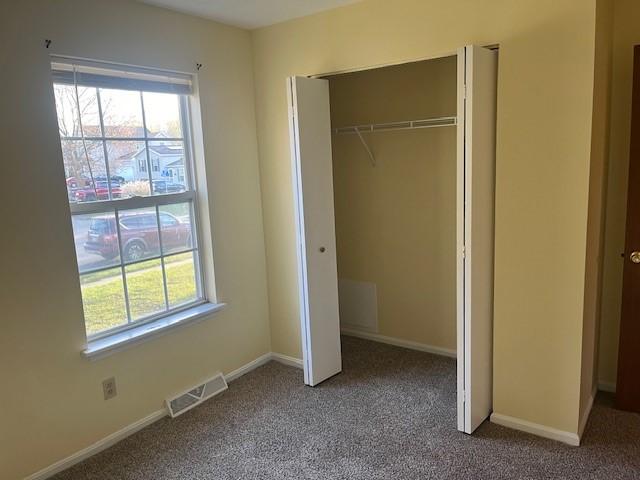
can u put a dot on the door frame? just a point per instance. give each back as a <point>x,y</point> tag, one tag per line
<point>461,265</point>
<point>628,390</point>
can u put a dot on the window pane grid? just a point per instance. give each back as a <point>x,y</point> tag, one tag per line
<point>133,202</point>
<point>128,264</point>
<point>172,259</point>
<point>143,321</point>
<point>158,283</point>
<point>128,267</point>
<point>158,178</point>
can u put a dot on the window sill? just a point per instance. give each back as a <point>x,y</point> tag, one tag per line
<point>105,346</point>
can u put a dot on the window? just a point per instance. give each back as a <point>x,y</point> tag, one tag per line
<point>135,237</point>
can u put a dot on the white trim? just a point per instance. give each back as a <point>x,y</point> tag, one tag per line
<point>607,387</point>
<point>536,429</point>
<point>461,299</point>
<point>118,341</point>
<point>587,412</point>
<point>98,446</point>
<point>258,362</point>
<point>238,372</point>
<point>84,208</point>
<point>398,342</point>
<point>286,360</point>
<point>123,433</point>
<point>300,232</point>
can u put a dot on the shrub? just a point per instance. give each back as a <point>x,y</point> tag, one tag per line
<point>136,188</point>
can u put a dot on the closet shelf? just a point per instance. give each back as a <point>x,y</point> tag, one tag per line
<point>405,125</point>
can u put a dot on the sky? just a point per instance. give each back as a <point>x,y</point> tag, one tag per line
<point>120,107</point>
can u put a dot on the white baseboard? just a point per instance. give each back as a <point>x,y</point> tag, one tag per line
<point>536,429</point>
<point>123,433</point>
<point>607,387</point>
<point>97,447</point>
<point>398,342</point>
<point>587,411</point>
<point>286,360</point>
<point>252,365</point>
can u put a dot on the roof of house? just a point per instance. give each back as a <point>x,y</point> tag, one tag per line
<point>163,149</point>
<point>160,149</point>
<point>177,163</point>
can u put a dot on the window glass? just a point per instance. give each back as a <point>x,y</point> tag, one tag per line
<point>122,113</point>
<point>127,162</point>
<point>181,278</point>
<point>103,300</point>
<point>170,173</point>
<point>139,236</point>
<point>127,176</point>
<point>176,229</point>
<point>70,118</point>
<point>145,287</point>
<point>85,170</point>
<point>162,112</point>
<point>96,240</point>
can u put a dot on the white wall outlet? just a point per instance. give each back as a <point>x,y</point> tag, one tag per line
<point>109,388</point>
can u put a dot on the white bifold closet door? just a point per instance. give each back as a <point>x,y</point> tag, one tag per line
<point>477,86</point>
<point>312,170</point>
<point>310,131</point>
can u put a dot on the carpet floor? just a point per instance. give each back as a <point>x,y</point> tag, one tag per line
<point>391,414</point>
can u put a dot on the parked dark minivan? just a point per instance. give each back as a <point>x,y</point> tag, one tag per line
<point>139,233</point>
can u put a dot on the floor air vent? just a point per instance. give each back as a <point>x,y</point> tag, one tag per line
<point>196,395</point>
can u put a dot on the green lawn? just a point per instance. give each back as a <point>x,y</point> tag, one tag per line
<point>103,295</point>
<point>102,274</point>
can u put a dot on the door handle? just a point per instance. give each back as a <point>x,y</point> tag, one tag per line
<point>322,250</point>
<point>635,257</point>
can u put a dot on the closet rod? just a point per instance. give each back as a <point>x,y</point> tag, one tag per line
<point>405,125</point>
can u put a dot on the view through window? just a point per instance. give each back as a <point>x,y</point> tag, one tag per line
<point>126,153</point>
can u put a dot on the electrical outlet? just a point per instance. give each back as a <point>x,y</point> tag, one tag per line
<point>109,388</point>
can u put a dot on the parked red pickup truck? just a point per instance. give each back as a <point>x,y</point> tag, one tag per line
<point>100,192</point>
<point>139,234</point>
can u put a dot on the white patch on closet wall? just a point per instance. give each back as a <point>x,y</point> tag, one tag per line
<point>358,305</point>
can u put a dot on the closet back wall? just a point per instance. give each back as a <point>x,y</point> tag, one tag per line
<point>395,222</point>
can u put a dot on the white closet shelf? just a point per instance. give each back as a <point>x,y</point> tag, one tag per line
<point>404,125</point>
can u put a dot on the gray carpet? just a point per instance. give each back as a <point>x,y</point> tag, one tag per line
<point>390,415</point>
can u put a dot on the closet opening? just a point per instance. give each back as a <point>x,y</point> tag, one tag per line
<point>393,174</point>
<point>393,145</point>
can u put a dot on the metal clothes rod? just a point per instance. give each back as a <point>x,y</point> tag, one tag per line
<point>385,127</point>
<point>405,125</point>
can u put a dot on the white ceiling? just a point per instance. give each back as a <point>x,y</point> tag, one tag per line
<point>250,13</point>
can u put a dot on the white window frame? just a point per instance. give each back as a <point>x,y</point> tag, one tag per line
<point>115,206</point>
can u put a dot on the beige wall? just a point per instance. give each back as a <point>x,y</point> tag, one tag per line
<point>51,402</point>
<point>626,35</point>
<point>597,197</point>
<point>396,222</point>
<point>545,96</point>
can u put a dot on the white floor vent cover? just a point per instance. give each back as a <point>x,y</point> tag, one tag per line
<point>196,395</point>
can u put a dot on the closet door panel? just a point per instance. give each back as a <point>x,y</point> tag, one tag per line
<point>310,135</point>
<point>476,167</point>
